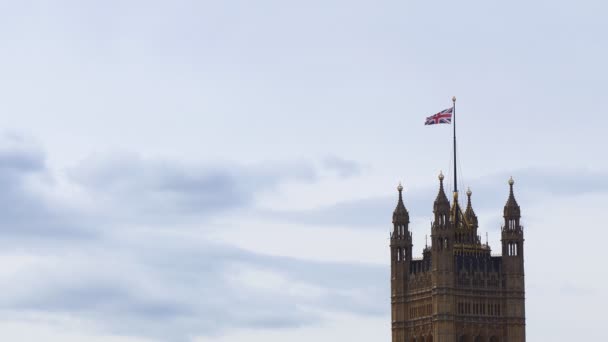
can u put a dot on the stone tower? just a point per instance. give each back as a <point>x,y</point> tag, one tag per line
<point>458,291</point>
<point>512,239</point>
<point>401,258</point>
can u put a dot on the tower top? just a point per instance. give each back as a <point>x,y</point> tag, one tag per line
<point>400,215</point>
<point>469,212</point>
<point>511,207</point>
<point>442,204</point>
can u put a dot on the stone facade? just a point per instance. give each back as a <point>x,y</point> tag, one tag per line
<point>458,291</point>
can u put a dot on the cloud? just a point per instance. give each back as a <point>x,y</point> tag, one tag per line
<point>144,264</point>
<point>169,288</point>
<point>489,195</point>
<point>126,276</point>
<point>133,188</point>
<point>25,210</point>
<point>344,168</point>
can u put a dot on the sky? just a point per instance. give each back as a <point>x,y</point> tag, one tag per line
<point>227,170</point>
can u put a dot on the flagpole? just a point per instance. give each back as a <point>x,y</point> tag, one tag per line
<point>455,170</point>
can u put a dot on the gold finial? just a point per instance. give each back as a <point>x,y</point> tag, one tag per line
<point>400,187</point>
<point>440,175</point>
<point>469,192</point>
<point>453,98</point>
<point>511,181</point>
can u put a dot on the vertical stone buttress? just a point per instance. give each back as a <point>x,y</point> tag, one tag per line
<point>513,271</point>
<point>442,237</point>
<point>401,255</point>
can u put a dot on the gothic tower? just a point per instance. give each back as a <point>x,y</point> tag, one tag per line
<point>442,237</point>
<point>401,256</point>
<point>458,291</point>
<point>513,268</point>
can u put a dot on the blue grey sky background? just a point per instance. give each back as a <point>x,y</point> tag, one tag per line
<point>219,171</point>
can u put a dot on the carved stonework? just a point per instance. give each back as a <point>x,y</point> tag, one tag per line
<point>458,291</point>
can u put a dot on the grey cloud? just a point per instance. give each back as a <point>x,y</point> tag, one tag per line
<point>162,189</point>
<point>371,212</point>
<point>173,289</point>
<point>343,167</point>
<point>24,211</point>
<point>18,159</point>
<point>354,288</point>
<point>489,194</point>
<point>21,160</point>
<point>143,284</point>
<point>140,284</point>
<point>564,181</point>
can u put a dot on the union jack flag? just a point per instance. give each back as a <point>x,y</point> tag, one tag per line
<point>445,116</point>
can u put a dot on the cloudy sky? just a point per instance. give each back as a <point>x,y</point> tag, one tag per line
<point>226,170</point>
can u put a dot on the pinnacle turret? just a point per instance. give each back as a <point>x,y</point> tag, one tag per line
<point>511,210</point>
<point>441,204</point>
<point>470,213</point>
<point>401,215</point>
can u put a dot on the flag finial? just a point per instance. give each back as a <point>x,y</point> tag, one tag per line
<point>453,98</point>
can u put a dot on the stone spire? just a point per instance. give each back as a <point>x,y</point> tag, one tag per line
<point>511,210</point>
<point>441,205</point>
<point>470,213</point>
<point>400,215</point>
